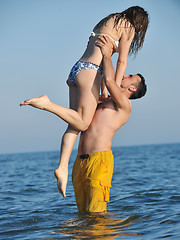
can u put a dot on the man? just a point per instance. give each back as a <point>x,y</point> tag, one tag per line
<point>93,168</point>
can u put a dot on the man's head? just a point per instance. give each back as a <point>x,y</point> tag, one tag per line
<point>135,85</point>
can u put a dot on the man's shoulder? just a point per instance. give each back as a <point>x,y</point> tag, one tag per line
<point>125,106</point>
<point>110,103</point>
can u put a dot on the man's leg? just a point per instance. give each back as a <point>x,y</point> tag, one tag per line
<point>98,172</point>
<point>95,201</point>
<point>78,184</point>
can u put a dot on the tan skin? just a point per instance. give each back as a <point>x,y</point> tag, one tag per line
<point>110,115</point>
<point>108,118</point>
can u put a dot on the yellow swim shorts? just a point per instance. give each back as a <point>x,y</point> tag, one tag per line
<point>91,177</point>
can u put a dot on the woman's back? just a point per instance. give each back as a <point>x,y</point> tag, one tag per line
<point>93,53</point>
<point>132,22</point>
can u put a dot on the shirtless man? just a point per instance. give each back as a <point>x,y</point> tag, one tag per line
<point>93,168</point>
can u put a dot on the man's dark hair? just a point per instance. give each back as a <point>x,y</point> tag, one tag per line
<point>141,88</point>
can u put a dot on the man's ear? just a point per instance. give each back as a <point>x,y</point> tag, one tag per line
<point>132,88</point>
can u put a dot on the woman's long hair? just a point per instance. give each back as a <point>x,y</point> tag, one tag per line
<point>139,20</point>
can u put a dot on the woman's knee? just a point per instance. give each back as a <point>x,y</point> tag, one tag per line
<point>85,125</point>
<point>82,126</point>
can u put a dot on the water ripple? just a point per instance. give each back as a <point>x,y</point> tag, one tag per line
<point>144,201</point>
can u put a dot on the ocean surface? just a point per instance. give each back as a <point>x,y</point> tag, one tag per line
<point>144,198</point>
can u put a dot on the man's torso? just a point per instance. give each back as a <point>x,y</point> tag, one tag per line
<point>107,119</point>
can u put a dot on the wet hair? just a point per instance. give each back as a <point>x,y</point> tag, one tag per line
<point>139,20</point>
<point>141,88</point>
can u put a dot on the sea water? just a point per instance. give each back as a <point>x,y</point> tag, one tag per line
<point>144,198</point>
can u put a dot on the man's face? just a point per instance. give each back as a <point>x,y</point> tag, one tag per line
<point>130,80</point>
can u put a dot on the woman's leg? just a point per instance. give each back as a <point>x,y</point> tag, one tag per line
<point>67,143</point>
<point>83,103</point>
<point>88,85</point>
<point>85,92</point>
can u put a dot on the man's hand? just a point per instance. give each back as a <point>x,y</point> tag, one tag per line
<point>106,45</point>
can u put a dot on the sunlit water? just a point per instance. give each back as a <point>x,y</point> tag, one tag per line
<point>144,198</point>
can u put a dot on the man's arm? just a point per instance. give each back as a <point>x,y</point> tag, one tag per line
<point>104,91</point>
<point>109,75</point>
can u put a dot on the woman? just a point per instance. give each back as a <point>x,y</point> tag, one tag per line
<point>127,31</point>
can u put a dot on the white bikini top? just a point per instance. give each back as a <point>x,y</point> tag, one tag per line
<point>116,42</point>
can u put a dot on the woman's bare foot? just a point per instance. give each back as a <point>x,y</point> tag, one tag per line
<point>62,178</point>
<point>41,102</point>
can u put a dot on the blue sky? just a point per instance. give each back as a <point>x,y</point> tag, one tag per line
<point>41,40</point>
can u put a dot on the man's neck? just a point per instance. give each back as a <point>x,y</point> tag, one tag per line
<point>126,92</point>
